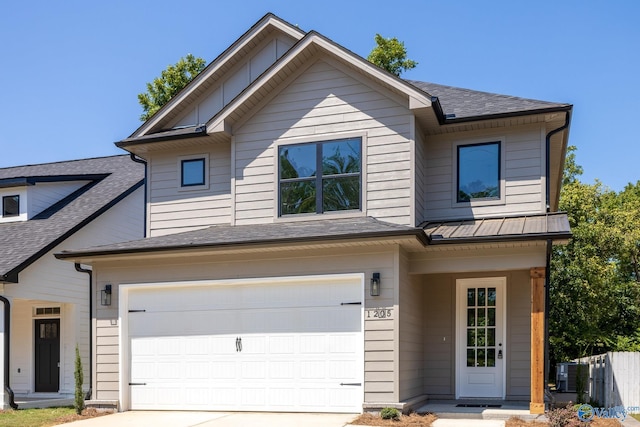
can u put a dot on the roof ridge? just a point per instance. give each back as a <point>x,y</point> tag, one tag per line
<point>64,161</point>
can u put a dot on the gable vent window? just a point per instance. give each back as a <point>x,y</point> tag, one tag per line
<point>320,177</point>
<point>47,311</point>
<point>10,206</point>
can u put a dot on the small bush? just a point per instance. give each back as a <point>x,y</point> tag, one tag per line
<point>390,414</point>
<point>78,402</point>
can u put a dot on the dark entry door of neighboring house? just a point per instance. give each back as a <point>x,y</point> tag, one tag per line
<point>47,352</point>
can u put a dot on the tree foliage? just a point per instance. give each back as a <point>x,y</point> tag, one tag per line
<point>391,55</point>
<point>78,402</point>
<point>595,285</point>
<point>170,82</point>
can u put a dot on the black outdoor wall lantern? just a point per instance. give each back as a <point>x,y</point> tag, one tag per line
<point>105,295</point>
<point>375,285</point>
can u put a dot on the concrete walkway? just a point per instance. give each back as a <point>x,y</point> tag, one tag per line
<point>467,423</point>
<point>214,419</point>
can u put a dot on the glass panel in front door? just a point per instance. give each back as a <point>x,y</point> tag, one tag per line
<point>481,327</point>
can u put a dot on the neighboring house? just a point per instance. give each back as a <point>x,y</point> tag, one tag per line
<point>47,208</point>
<point>324,236</point>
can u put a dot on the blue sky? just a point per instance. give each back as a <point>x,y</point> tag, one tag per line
<point>71,70</point>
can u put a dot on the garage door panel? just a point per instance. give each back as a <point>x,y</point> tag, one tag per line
<point>281,347</point>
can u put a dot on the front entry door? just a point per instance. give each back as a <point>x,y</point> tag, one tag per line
<point>47,354</point>
<point>481,346</point>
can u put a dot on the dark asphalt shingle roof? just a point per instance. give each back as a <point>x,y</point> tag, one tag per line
<point>238,235</point>
<point>526,227</point>
<point>459,103</point>
<point>23,242</point>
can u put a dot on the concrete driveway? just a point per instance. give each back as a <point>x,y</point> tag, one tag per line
<point>214,419</point>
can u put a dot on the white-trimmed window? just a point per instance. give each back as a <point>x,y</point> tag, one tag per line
<point>10,206</point>
<point>193,172</point>
<point>479,173</point>
<point>318,177</point>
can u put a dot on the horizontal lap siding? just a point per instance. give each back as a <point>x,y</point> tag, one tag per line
<point>411,332</point>
<point>439,330</point>
<point>325,102</point>
<point>523,172</point>
<point>519,336</point>
<point>174,211</point>
<point>380,353</point>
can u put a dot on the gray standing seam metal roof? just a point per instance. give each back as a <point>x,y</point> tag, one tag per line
<point>527,227</point>
<point>23,242</point>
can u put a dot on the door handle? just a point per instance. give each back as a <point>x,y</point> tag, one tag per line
<point>500,351</point>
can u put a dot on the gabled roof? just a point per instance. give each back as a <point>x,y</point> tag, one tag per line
<point>450,104</point>
<point>109,180</point>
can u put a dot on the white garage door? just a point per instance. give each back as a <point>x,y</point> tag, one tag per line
<point>270,346</point>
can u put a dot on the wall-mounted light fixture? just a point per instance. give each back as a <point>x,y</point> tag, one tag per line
<point>375,285</point>
<point>105,295</point>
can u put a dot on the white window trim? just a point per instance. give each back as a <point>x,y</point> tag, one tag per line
<point>454,173</point>
<point>325,215</point>
<point>20,192</point>
<point>205,186</point>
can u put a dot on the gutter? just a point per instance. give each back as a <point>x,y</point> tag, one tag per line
<point>142,161</point>
<point>415,232</point>
<point>547,291</point>
<point>548,156</point>
<point>79,269</point>
<point>7,353</point>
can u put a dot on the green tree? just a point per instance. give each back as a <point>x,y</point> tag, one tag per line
<point>391,55</point>
<point>170,82</point>
<point>594,287</point>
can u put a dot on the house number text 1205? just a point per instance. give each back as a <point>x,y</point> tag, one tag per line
<point>379,313</point>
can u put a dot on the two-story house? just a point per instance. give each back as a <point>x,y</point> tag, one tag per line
<point>324,236</point>
<point>46,302</point>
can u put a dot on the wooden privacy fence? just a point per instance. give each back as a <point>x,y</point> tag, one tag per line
<point>614,379</point>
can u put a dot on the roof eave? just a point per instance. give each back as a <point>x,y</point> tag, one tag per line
<point>563,236</point>
<point>417,233</point>
<point>555,109</point>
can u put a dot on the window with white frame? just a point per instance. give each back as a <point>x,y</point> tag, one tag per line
<point>478,172</point>
<point>318,177</point>
<point>10,206</point>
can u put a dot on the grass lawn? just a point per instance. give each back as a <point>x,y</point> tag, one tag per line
<point>43,417</point>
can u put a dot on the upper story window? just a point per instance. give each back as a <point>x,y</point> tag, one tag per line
<point>320,176</point>
<point>478,172</point>
<point>194,172</point>
<point>10,206</point>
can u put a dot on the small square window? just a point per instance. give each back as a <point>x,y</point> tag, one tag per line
<point>10,206</point>
<point>478,172</point>
<point>193,172</point>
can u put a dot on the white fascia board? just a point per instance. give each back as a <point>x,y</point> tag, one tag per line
<point>214,67</point>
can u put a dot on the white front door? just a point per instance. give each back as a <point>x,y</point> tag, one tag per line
<point>481,346</point>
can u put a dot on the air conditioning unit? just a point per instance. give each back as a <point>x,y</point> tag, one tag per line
<point>567,376</point>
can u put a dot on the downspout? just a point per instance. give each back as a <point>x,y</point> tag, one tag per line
<point>139,160</point>
<point>7,343</point>
<point>79,269</point>
<point>548,155</point>
<point>547,280</point>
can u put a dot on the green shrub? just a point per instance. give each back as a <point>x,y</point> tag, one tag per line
<point>78,402</point>
<point>390,414</point>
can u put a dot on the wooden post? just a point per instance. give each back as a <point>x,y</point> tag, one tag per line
<point>536,406</point>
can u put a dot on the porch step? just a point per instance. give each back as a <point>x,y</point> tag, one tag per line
<point>442,422</point>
